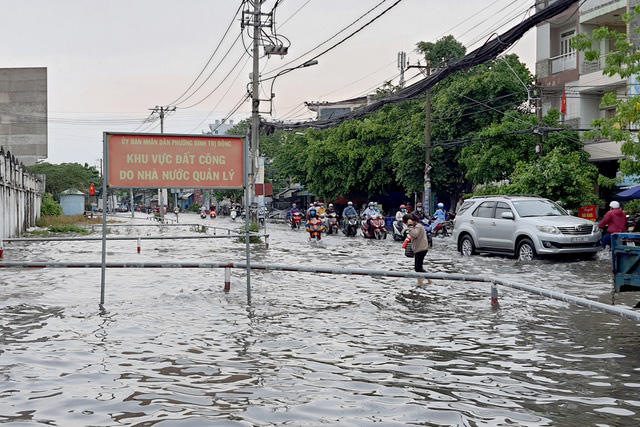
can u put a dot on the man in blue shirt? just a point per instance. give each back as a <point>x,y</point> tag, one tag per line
<point>349,211</point>
<point>440,214</point>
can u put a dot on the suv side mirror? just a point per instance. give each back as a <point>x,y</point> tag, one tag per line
<point>507,215</point>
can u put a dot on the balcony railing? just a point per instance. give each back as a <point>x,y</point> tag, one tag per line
<point>563,62</point>
<point>593,66</point>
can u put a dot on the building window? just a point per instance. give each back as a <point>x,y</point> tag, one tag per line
<point>565,42</point>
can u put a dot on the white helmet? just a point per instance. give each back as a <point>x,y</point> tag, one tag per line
<point>441,205</point>
<point>330,205</point>
<point>350,203</point>
<point>614,205</point>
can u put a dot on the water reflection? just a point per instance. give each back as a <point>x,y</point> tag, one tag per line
<point>312,349</point>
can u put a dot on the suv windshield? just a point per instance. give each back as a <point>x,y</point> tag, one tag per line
<point>529,208</point>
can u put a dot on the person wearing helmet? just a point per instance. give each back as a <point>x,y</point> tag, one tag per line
<point>294,209</point>
<point>330,209</point>
<point>419,212</point>
<point>615,221</point>
<point>370,211</point>
<point>321,210</point>
<point>349,211</point>
<point>401,212</point>
<point>440,215</point>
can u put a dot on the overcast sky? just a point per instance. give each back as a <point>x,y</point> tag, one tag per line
<point>110,61</point>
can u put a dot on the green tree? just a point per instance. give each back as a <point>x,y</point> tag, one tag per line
<point>443,51</point>
<point>49,206</point>
<point>503,144</point>
<point>61,177</point>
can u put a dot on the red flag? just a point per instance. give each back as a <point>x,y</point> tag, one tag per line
<point>563,109</point>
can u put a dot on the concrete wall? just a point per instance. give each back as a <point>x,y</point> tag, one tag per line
<point>23,113</point>
<point>20,196</point>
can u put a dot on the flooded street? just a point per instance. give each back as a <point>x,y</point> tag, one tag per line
<point>312,349</point>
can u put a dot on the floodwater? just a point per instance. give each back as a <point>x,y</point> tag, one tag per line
<point>170,347</point>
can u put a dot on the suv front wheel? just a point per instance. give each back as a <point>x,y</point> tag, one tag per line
<point>526,251</point>
<point>467,248</point>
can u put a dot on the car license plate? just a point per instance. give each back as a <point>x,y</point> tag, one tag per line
<point>579,239</point>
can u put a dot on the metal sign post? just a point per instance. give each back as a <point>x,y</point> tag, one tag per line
<point>105,180</point>
<point>139,160</point>
<point>247,219</point>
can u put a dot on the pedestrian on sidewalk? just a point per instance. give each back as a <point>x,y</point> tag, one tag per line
<point>419,241</point>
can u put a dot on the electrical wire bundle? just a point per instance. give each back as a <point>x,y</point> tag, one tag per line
<point>487,52</point>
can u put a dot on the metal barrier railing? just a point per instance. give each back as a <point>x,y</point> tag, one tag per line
<point>583,302</point>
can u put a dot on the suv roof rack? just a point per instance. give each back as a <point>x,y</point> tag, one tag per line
<point>506,196</point>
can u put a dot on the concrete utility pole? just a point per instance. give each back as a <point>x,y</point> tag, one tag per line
<point>162,111</point>
<point>539,112</point>
<point>427,144</point>
<point>255,100</point>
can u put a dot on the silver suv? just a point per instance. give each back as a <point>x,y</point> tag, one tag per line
<point>523,226</point>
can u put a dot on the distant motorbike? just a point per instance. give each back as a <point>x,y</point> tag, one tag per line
<point>350,226</point>
<point>261,216</point>
<point>295,220</point>
<point>315,227</point>
<point>203,214</point>
<point>427,224</point>
<point>332,223</point>
<point>213,214</point>
<point>233,214</point>
<point>375,229</point>
<point>444,228</point>
<point>400,231</point>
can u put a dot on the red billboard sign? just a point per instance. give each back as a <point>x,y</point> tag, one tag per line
<point>175,161</point>
<point>587,212</point>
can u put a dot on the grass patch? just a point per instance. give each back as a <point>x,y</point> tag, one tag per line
<point>38,232</point>
<point>68,229</point>
<point>49,221</point>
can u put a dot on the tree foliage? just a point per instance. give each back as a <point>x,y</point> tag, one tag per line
<point>61,177</point>
<point>443,51</point>
<point>49,206</point>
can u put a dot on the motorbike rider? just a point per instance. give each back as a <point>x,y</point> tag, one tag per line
<point>401,212</point>
<point>321,209</point>
<point>369,213</point>
<point>440,214</point>
<point>294,209</point>
<point>419,212</point>
<point>349,211</point>
<point>616,222</point>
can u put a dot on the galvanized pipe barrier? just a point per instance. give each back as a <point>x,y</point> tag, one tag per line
<point>71,239</point>
<point>583,302</point>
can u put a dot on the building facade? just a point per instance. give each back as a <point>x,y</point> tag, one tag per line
<point>560,68</point>
<point>23,113</point>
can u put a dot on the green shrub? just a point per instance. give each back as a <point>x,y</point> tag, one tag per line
<point>195,208</point>
<point>49,206</point>
<point>632,207</point>
<point>253,228</point>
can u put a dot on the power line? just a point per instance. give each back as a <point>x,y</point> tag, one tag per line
<point>293,14</point>
<point>212,55</point>
<point>488,51</point>
<point>334,36</point>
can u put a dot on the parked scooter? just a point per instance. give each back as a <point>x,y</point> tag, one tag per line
<point>315,227</point>
<point>350,226</point>
<point>400,231</point>
<point>375,229</point>
<point>233,214</point>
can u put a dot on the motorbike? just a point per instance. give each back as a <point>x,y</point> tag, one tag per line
<point>261,216</point>
<point>213,214</point>
<point>444,228</point>
<point>203,214</point>
<point>633,223</point>
<point>315,227</point>
<point>350,226</point>
<point>233,214</point>
<point>332,223</point>
<point>376,229</point>
<point>400,231</point>
<point>295,220</point>
<point>427,224</point>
